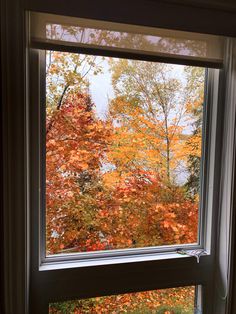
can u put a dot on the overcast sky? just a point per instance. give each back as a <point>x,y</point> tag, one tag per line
<point>101,89</point>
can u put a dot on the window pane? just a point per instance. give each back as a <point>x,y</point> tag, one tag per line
<point>123,153</point>
<point>166,301</point>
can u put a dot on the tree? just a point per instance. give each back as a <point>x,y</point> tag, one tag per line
<point>66,75</point>
<point>154,99</point>
<point>196,78</point>
<point>76,144</point>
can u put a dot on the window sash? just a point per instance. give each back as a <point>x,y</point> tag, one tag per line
<point>146,253</point>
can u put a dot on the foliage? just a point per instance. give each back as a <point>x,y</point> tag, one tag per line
<point>166,301</point>
<point>128,205</point>
<point>73,161</point>
<point>151,102</point>
<point>66,74</point>
<point>193,145</point>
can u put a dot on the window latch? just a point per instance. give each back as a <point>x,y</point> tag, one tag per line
<point>196,253</point>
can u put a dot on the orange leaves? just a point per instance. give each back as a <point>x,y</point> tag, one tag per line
<point>178,221</point>
<point>193,145</point>
<point>194,106</point>
<point>105,184</point>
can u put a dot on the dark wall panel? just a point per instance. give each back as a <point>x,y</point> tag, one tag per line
<point>204,18</point>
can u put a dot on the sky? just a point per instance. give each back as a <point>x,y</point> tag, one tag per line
<point>101,89</point>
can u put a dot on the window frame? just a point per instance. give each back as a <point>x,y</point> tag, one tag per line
<point>145,253</point>
<point>166,262</point>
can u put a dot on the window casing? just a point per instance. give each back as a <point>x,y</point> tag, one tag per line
<point>138,269</point>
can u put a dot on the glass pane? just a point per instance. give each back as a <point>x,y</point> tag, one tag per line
<point>123,153</point>
<point>166,301</point>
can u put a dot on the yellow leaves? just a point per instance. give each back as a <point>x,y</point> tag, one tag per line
<point>193,146</point>
<point>73,158</point>
<point>195,105</point>
<point>166,224</point>
<point>111,178</point>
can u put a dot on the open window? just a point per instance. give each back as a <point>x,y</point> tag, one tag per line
<point>123,147</point>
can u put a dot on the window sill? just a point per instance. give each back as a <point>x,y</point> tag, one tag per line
<point>57,265</point>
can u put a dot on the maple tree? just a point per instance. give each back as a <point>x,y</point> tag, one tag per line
<point>72,172</point>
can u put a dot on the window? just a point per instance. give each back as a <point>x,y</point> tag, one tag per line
<point>125,172</point>
<point>124,155</point>
<point>121,270</point>
<point>60,279</point>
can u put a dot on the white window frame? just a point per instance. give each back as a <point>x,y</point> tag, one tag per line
<point>118,255</point>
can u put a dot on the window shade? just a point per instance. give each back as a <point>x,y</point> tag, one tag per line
<point>107,38</point>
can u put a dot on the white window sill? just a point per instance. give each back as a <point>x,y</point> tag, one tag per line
<point>57,265</point>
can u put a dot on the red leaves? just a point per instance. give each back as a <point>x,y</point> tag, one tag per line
<point>76,143</point>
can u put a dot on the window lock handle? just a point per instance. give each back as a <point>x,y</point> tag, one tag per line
<point>196,253</point>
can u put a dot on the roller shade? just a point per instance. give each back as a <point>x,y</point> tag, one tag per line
<point>49,31</point>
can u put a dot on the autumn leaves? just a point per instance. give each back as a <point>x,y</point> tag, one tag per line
<point>117,182</point>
